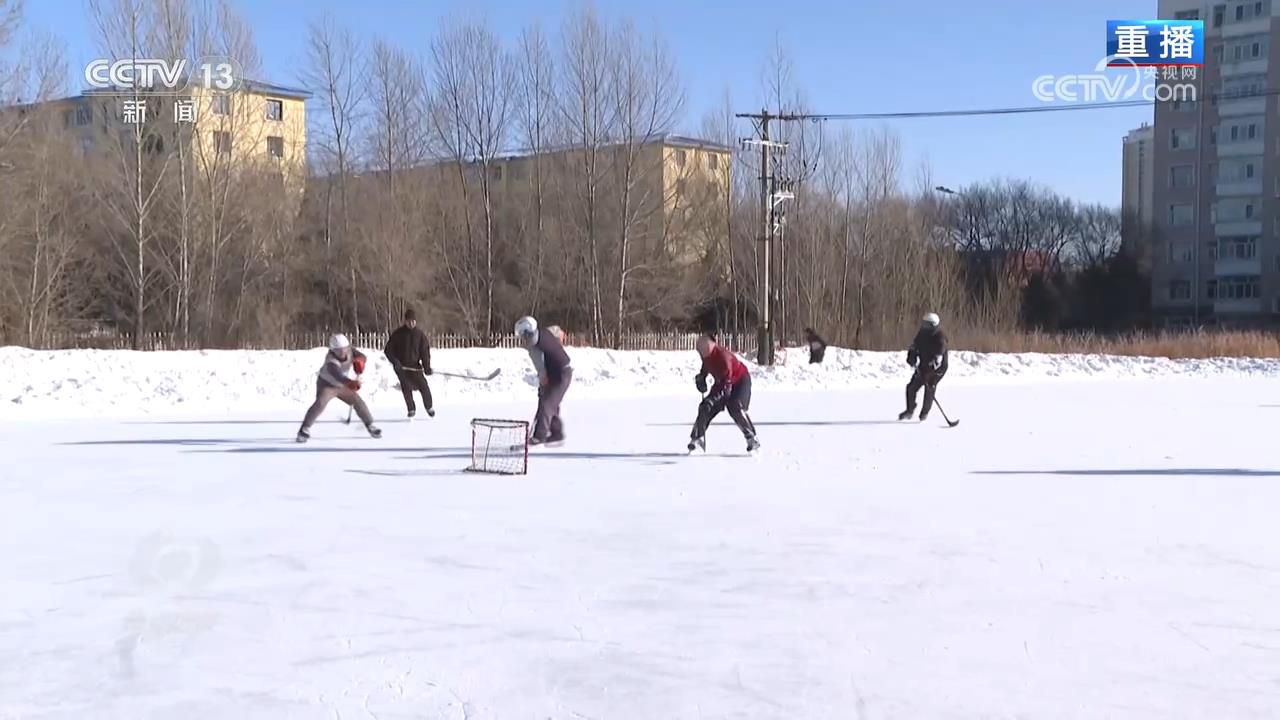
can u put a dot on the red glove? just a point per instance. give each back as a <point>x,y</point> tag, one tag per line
<point>354,385</point>
<point>358,364</point>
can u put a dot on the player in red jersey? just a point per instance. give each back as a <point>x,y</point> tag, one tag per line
<point>731,391</point>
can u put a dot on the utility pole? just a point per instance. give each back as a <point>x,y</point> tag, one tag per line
<point>770,197</point>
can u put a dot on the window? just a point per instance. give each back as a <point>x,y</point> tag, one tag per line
<point>1180,290</point>
<point>1253,131</point>
<point>495,173</point>
<point>1248,211</point>
<point>1257,9</point>
<point>84,115</point>
<point>713,161</point>
<point>1239,13</point>
<point>1182,139</point>
<point>1239,287</point>
<point>1235,133</point>
<point>1179,253</point>
<point>1180,215</point>
<point>1213,137</point>
<point>1217,54</point>
<point>222,142</point>
<point>1257,50</point>
<point>153,143</point>
<point>1187,15</point>
<point>1239,53</point>
<point>1211,289</point>
<point>1182,176</point>
<point>1238,248</point>
<point>275,110</point>
<point>1248,171</point>
<point>679,156</point>
<point>275,146</point>
<point>221,104</point>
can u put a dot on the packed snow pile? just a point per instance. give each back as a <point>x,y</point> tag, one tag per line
<point>78,383</point>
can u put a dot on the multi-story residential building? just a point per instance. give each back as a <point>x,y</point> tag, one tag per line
<point>1138,196</point>
<point>1217,179</point>
<point>258,126</point>
<point>675,184</point>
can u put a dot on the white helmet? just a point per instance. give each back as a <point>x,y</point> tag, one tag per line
<point>932,320</point>
<point>339,342</point>
<point>526,327</point>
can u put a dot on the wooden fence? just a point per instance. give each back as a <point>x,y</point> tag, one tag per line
<point>375,341</point>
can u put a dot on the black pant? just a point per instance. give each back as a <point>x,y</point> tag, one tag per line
<point>928,378</point>
<point>734,398</point>
<point>411,380</point>
<point>547,425</point>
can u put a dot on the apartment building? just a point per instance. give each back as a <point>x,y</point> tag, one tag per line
<point>259,126</point>
<point>1216,259</point>
<point>676,183</point>
<point>1138,194</point>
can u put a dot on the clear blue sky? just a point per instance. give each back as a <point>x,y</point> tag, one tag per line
<point>850,56</point>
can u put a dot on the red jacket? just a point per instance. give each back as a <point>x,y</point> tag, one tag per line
<point>724,366</point>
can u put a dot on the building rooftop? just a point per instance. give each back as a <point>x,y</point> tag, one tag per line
<point>256,87</point>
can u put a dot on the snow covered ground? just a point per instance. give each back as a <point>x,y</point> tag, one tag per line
<point>1102,546</point>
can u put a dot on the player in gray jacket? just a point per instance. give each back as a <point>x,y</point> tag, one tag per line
<point>334,381</point>
<point>554,375</point>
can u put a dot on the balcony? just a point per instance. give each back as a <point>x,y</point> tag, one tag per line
<point>1244,67</point>
<point>1237,227</point>
<point>1236,149</point>
<point>1237,307</point>
<point>1237,266</point>
<point>1235,188</point>
<point>1230,107</point>
<point>1256,26</point>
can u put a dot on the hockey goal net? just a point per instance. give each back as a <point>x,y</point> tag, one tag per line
<point>499,447</point>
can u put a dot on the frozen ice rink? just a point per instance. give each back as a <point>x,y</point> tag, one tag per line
<point>1072,550</point>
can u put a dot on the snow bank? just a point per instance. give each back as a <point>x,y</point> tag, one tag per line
<point>79,383</point>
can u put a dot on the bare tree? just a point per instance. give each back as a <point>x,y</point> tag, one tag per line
<point>336,74</point>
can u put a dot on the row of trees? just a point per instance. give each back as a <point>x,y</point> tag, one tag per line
<point>147,230</point>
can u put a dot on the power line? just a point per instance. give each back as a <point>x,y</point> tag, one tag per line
<point>1023,110</point>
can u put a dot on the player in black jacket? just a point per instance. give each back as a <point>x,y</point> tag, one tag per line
<point>410,354</point>
<point>928,355</point>
<point>817,346</point>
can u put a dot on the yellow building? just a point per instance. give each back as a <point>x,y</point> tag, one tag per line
<point>676,183</point>
<point>258,126</point>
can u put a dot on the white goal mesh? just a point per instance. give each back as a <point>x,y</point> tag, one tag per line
<point>499,446</point>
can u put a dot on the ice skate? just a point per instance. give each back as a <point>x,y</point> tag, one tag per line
<point>431,412</point>
<point>303,435</point>
<point>374,432</point>
<point>906,414</point>
<point>699,443</point>
<point>411,414</point>
<point>752,445</point>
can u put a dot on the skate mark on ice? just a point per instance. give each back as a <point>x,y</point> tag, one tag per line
<point>368,445</point>
<point>407,473</point>
<point>1152,472</point>
<point>786,423</point>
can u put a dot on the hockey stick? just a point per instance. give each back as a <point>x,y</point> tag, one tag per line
<point>950,422</point>
<point>468,376</point>
<point>350,408</point>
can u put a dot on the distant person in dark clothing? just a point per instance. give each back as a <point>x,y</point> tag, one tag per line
<point>410,354</point>
<point>817,346</point>
<point>928,355</point>
<point>554,375</point>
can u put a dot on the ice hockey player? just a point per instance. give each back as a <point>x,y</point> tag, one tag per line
<point>554,375</point>
<point>817,346</point>
<point>731,391</point>
<point>335,381</point>
<point>928,355</point>
<point>410,354</point>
